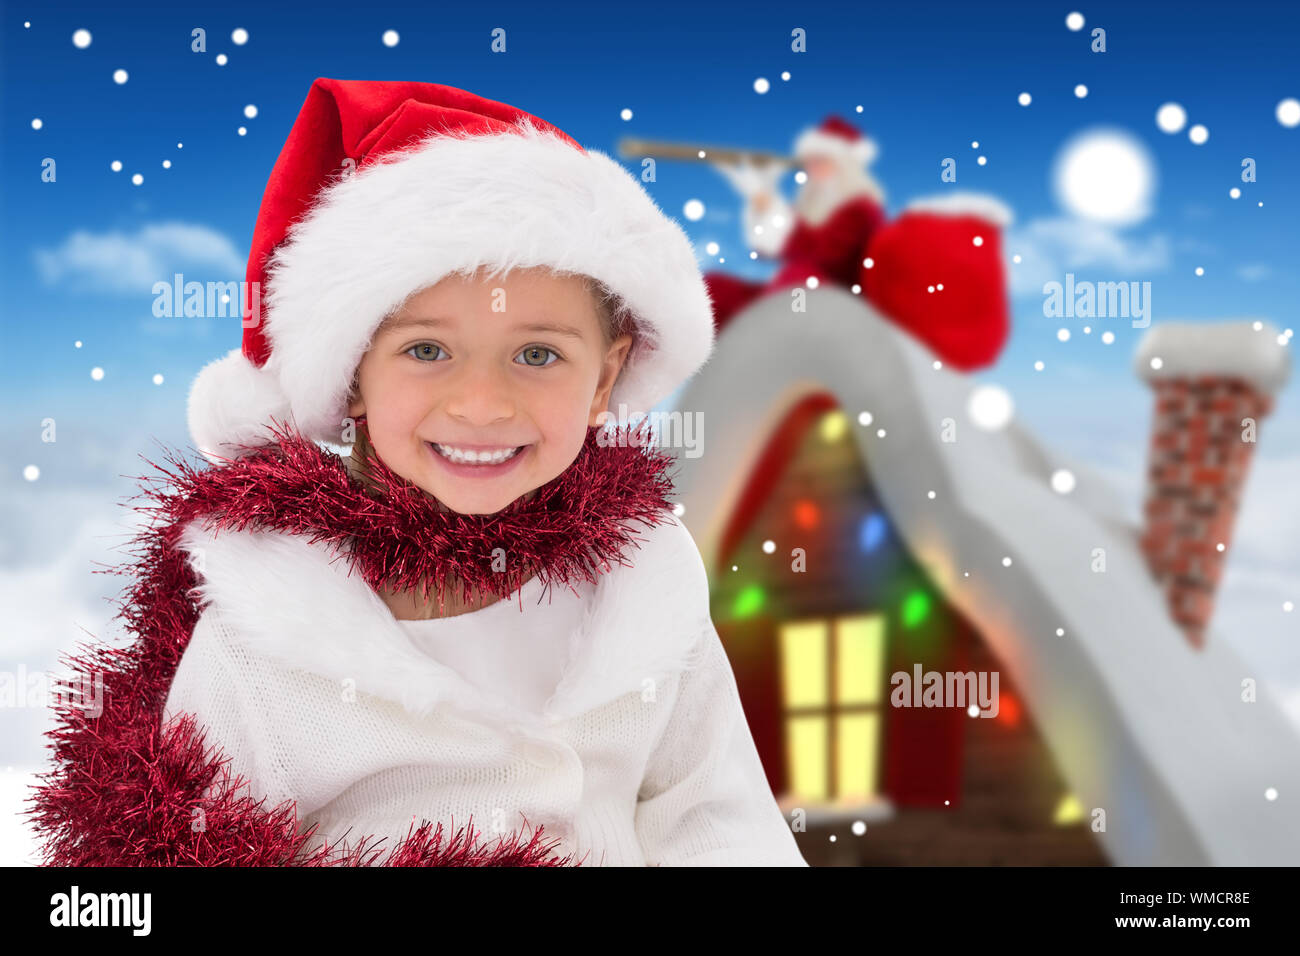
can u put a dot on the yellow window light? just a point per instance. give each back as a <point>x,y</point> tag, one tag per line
<point>804,667</point>
<point>859,659</point>
<point>856,755</point>
<point>807,750</point>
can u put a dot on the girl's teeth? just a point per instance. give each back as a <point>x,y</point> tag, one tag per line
<point>474,458</point>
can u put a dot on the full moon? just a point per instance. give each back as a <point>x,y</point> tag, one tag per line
<point>1106,176</point>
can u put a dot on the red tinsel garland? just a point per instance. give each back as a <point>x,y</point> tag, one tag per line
<point>127,791</point>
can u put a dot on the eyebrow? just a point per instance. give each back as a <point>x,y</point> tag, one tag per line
<point>435,322</point>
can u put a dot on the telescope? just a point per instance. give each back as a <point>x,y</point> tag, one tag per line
<point>630,147</point>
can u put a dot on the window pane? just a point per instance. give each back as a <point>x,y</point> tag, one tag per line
<point>804,664</point>
<point>856,755</point>
<point>859,659</point>
<point>808,747</point>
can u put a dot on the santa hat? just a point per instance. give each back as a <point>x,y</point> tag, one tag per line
<point>384,188</point>
<point>840,140</point>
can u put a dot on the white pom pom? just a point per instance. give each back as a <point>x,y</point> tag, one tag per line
<point>231,403</point>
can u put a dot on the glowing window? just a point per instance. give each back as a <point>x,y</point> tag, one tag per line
<point>832,683</point>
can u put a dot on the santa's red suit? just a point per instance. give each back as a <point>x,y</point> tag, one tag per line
<point>830,252</point>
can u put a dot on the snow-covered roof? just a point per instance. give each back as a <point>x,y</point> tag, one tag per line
<point>1249,350</point>
<point>1139,722</point>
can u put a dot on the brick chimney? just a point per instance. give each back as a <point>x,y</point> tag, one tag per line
<point>1213,384</point>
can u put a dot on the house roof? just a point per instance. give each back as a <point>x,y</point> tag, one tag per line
<point>1140,723</point>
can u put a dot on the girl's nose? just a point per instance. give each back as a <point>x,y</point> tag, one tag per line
<point>480,395</point>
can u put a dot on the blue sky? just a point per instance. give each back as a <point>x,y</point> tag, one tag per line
<point>931,79</point>
<point>80,253</point>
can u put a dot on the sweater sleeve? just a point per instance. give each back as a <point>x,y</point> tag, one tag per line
<point>704,799</point>
<point>215,684</point>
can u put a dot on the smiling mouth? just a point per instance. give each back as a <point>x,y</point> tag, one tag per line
<point>481,459</point>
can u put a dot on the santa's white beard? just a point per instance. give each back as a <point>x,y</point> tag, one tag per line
<point>818,199</point>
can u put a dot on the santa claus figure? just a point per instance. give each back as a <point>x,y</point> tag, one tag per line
<point>936,270</point>
<point>822,235</point>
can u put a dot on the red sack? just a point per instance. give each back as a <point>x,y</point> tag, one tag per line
<point>937,271</point>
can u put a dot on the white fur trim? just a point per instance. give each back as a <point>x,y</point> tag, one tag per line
<point>294,601</point>
<point>814,142</point>
<point>1220,349</point>
<point>231,401</point>
<point>982,205</point>
<point>454,203</point>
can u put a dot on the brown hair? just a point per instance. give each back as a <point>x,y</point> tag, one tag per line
<point>615,317</point>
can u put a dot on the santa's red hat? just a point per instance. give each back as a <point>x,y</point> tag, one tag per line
<point>839,139</point>
<point>384,188</point>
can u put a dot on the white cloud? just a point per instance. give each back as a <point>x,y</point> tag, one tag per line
<point>49,602</point>
<point>1268,524</point>
<point>1051,247</point>
<point>53,608</point>
<point>18,845</point>
<point>1254,271</point>
<point>61,533</point>
<point>1262,572</point>
<point>131,264</point>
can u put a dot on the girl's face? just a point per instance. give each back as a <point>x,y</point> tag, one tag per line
<point>515,368</point>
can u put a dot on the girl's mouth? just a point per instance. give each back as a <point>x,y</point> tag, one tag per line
<point>477,465</point>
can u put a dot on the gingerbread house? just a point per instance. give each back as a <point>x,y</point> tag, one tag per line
<point>947,657</point>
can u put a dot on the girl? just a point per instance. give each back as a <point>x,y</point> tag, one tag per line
<point>335,656</point>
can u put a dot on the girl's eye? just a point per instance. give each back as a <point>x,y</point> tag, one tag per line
<point>421,350</point>
<point>535,351</point>
<point>428,351</point>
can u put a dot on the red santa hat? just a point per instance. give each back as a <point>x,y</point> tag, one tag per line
<point>384,188</point>
<point>838,139</point>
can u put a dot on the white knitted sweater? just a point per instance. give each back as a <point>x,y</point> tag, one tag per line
<point>641,757</point>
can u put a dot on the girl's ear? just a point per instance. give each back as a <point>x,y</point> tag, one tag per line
<point>609,373</point>
<point>355,405</point>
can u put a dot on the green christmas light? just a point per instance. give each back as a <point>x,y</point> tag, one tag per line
<point>748,602</point>
<point>916,608</point>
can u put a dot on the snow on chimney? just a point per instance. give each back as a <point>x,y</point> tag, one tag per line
<point>1213,383</point>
